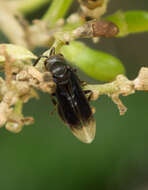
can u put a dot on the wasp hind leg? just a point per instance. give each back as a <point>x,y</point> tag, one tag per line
<point>88,93</point>
<point>54,103</point>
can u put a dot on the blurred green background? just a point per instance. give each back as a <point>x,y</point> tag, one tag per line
<point>47,156</point>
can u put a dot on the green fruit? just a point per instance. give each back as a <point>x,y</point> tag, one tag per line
<point>94,63</point>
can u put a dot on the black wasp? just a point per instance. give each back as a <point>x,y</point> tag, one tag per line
<point>72,105</point>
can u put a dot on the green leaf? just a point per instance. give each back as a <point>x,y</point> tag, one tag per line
<point>96,64</point>
<point>137,21</point>
<point>130,21</point>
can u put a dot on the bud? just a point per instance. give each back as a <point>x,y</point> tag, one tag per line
<point>13,127</point>
<point>91,4</point>
<point>104,29</point>
<point>96,29</point>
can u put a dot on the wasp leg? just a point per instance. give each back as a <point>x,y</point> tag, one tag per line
<point>52,51</point>
<point>38,59</point>
<point>54,103</point>
<point>83,83</point>
<point>93,110</point>
<point>61,54</point>
<point>88,93</point>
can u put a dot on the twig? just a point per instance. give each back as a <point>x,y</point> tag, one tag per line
<point>121,86</point>
<point>56,11</point>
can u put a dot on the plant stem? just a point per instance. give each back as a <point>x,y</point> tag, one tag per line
<point>102,89</point>
<point>119,86</point>
<point>29,6</point>
<point>56,11</point>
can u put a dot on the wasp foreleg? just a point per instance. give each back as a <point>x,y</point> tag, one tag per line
<point>38,59</point>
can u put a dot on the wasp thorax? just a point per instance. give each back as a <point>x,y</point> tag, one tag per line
<point>58,69</point>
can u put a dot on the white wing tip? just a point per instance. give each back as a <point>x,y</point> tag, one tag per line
<point>87,133</point>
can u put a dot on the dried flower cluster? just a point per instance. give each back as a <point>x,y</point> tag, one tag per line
<point>17,88</point>
<point>39,33</point>
<point>121,86</point>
